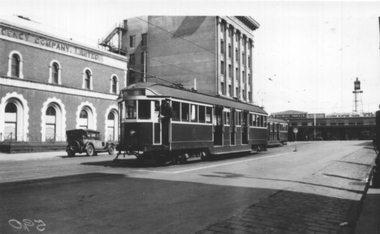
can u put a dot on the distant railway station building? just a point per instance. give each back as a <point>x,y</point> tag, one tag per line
<point>321,126</point>
<point>49,85</point>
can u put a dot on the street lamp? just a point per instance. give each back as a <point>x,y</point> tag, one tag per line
<point>295,130</point>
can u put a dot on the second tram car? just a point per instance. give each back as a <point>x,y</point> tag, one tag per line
<point>198,125</point>
<point>277,132</point>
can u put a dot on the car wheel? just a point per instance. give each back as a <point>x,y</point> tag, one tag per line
<point>111,150</point>
<point>70,153</point>
<point>74,146</point>
<point>90,150</point>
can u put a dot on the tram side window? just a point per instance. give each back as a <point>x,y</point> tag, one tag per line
<point>144,109</point>
<point>227,118</point>
<point>258,118</point>
<point>130,109</point>
<point>238,118</point>
<point>202,114</point>
<point>194,113</point>
<point>156,108</point>
<point>185,112</point>
<point>208,114</point>
<point>253,120</point>
<point>176,111</point>
<point>264,121</point>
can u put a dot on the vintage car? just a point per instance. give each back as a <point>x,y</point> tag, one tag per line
<point>87,141</point>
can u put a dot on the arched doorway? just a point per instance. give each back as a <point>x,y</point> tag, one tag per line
<point>83,119</point>
<point>86,116</point>
<point>51,121</point>
<point>111,126</point>
<point>10,122</point>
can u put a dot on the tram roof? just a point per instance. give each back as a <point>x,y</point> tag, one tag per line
<point>169,91</point>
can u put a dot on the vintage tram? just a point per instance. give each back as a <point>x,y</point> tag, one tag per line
<point>277,132</point>
<point>200,125</point>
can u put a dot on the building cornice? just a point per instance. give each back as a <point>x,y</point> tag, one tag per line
<point>28,84</point>
<point>37,33</point>
<point>249,21</point>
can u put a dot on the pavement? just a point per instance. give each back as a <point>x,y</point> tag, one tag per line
<point>337,199</point>
<point>32,156</point>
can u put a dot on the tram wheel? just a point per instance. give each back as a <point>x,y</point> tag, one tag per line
<point>205,156</point>
<point>180,159</point>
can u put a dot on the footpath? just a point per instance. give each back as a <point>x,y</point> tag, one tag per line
<point>333,200</point>
<point>338,199</point>
<point>32,156</point>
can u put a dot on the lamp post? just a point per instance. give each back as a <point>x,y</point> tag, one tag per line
<point>295,130</point>
<point>315,124</point>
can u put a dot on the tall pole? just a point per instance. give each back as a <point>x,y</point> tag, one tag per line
<point>356,92</point>
<point>315,124</point>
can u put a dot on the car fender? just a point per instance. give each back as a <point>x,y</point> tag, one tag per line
<point>88,143</point>
<point>108,144</point>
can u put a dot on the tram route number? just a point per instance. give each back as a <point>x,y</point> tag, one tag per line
<point>26,223</point>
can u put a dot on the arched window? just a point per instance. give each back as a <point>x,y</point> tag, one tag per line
<point>10,123</point>
<point>114,84</point>
<point>55,73</point>
<point>15,66</point>
<point>50,130</point>
<point>87,79</point>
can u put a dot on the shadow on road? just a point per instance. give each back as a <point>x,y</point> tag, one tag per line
<point>227,175</point>
<point>132,162</point>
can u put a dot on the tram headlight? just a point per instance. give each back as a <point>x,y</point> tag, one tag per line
<point>132,133</point>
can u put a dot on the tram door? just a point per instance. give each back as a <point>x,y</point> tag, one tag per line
<point>244,126</point>
<point>233,126</point>
<point>218,131</point>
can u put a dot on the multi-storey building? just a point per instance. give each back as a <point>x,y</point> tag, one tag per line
<point>212,54</point>
<point>49,85</point>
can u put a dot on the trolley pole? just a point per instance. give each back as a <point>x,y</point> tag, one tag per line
<point>295,130</point>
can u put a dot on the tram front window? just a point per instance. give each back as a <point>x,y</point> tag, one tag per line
<point>130,109</point>
<point>144,109</point>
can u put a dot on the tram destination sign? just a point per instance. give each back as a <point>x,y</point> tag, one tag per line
<point>136,92</point>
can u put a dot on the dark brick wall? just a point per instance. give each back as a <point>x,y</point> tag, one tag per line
<point>36,63</point>
<point>36,98</point>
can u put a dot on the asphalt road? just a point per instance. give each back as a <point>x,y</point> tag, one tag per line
<point>97,195</point>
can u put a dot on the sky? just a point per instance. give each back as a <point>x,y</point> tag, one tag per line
<point>307,54</point>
